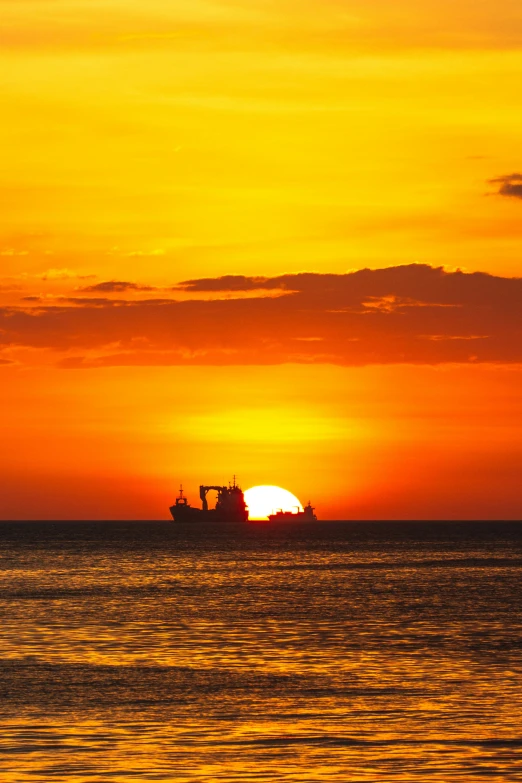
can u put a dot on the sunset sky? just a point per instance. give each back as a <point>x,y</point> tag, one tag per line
<point>275,238</point>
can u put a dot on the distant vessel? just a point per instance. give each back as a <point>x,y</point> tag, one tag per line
<point>230,505</point>
<point>307,515</point>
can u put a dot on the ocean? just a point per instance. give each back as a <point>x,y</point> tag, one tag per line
<point>347,651</point>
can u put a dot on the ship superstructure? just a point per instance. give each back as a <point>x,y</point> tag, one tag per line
<point>182,511</point>
<point>230,505</point>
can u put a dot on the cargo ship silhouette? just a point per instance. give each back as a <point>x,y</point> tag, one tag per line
<point>306,515</point>
<point>230,507</point>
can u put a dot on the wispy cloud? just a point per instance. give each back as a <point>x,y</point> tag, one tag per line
<point>11,251</point>
<point>63,274</point>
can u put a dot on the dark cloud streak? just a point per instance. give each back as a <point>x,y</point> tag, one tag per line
<point>509,185</point>
<point>115,286</point>
<point>228,283</point>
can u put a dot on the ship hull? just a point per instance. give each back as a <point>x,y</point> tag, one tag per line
<point>185,513</point>
<point>289,516</point>
<point>191,515</point>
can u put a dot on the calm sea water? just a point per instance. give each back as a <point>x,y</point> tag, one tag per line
<point>327,652</point>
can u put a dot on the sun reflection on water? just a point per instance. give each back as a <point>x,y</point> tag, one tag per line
<point>259,655</point>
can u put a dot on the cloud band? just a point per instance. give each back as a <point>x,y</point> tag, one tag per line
<point>406,314</point>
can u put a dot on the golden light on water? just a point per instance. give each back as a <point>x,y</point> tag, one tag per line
<point>266,499</point>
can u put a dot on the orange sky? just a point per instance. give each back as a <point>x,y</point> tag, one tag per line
<point>146,145</point>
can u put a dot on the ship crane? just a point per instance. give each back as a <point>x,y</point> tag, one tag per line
<point>203,490</point>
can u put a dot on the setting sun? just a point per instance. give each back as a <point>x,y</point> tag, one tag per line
<point>267,499</point>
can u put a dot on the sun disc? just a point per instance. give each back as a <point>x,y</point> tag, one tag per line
<point>266,499</point>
